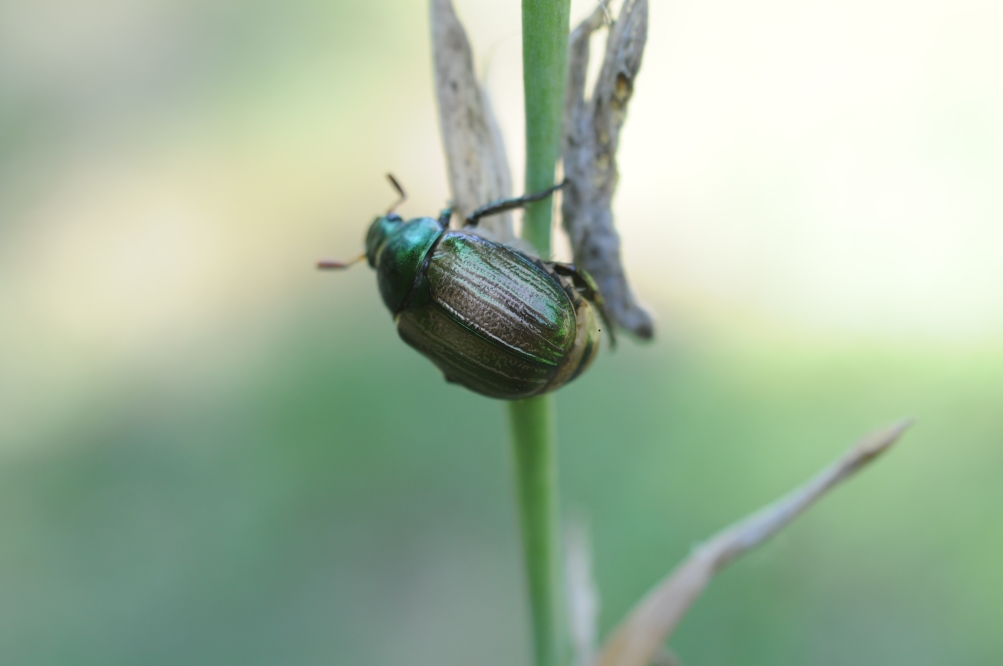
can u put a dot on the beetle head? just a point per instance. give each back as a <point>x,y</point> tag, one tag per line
<point>381,229</point>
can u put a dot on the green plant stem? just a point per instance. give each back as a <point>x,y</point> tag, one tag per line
<point>544,70</point>
<point>545,60</point>
<point>535,454</point>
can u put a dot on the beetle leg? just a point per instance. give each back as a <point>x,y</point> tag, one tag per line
<point>445,216</point>
<point>582,280</point>
<point>589,290</point>
<point>503,205</point>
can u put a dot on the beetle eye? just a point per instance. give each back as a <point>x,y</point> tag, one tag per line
<point>394,217</point>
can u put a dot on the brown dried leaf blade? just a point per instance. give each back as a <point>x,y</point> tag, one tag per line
<point>475,153</point>
<point>591,137</point>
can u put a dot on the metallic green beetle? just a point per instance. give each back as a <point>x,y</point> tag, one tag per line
<point>492,318</point>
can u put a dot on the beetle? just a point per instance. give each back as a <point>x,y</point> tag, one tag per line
<point>493,319</point>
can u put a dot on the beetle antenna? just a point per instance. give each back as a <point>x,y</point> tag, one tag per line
<point>400,191</point>
<point>334,264</point>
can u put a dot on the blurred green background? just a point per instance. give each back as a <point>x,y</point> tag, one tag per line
<point>212,454</point>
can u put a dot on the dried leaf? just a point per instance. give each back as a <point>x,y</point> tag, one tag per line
<point>475,152</point>
<point>640,636</point>
<point>583,597</point>
<point>591,137</point>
